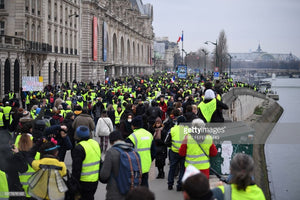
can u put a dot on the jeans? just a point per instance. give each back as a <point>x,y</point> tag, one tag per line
<point>175,158</point>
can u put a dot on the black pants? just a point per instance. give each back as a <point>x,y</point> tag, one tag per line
<point>88,190</point>
<point>145,180</point>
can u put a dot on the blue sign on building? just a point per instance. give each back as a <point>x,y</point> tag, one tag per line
<point>182,71</point>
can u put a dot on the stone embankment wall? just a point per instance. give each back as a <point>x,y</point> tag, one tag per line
<point>242,103</point>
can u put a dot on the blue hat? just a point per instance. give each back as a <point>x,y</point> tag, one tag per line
<point>83,132</point>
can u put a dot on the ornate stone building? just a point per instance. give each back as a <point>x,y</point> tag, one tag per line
<point>63,40</point>
<point>124,38</point>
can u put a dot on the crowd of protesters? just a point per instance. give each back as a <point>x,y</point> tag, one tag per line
<point>145,113</point>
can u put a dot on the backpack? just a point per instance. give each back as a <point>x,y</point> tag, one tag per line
<point>130,171</point>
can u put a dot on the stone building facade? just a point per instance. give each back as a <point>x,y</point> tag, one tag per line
<point>55,39</point>
<point>165,54</point>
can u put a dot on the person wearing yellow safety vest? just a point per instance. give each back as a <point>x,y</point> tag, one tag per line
<point>1,118</point>
<point>143,143</point>
<point>86,158</point>
<point>7,115</point>
<point>174,140</point>
<point>193,149</point>
<point>210,109</point>
<point>24,143</point>
<point>11,95</point>
<point>242,185</point>
<point>118,114</point>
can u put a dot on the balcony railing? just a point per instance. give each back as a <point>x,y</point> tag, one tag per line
<point>37,47</point>
<point>10,42</point>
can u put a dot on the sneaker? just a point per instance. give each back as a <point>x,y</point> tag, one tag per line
<point>170,187</point>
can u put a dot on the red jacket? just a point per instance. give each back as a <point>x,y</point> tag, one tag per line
<point>163,106</point>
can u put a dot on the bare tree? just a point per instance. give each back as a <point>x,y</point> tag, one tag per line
<point>221,56</point>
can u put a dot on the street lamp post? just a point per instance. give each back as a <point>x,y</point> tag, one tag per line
<point>205,54</point>
<point>186,54</point>
<point>216,44</point>
<point>230,57</point>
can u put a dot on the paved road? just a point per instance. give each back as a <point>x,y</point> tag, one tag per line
<point>158,186</point>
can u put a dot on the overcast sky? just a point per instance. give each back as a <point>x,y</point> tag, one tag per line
<point>275,24</point>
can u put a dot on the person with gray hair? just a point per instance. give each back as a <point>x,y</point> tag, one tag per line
<point>198,147</point>
<point>242,185</point>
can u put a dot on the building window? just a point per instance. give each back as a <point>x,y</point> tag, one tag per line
<point>33,6</point>
<point>55,12</point>
<point>61,41</point>
<point>2,4</point>
<point>49,36</point>
<point>2,27</point>
<point>49,9</point>
<point>61,11</point>
<point>26,31</point>
<point>33,32</point>
<point>66,16</point>
<point>38,7</point>
<point>66,40</point>
<point>39,36</point>
<point>27,5</point>
<point>71,41</point>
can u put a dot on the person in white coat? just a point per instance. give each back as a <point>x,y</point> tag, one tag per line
<point>103,129</point>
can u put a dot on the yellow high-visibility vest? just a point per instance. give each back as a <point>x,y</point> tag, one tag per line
<point>118,116</point>
<point>91,163</point>
<point>208,109</point>
<point>177,134</point>
<point>194,154</point>
<point>4,191</point>
<point>142,140</point>
<point>252,192</point>
<point>1,119</point>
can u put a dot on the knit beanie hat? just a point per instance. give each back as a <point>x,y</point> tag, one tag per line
<point>83,132</point>
<point>158,120</point>
<point>137,121</point>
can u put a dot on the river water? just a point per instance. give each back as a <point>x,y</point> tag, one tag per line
<point>283,145</point>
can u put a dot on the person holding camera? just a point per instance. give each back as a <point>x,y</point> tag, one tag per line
<point>59,133</point>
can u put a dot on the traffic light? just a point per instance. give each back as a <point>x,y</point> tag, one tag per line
<point>105,69</point>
